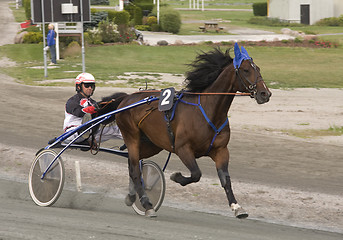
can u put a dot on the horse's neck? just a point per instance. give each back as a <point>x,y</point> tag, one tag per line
<point>219,105</point>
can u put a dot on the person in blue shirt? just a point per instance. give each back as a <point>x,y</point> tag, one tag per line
<point>51,42</point>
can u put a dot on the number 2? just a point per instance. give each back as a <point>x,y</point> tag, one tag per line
<point>166,94</point>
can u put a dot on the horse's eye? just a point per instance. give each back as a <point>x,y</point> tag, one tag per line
<point>246,70</point>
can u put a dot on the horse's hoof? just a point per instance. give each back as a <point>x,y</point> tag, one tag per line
<point>150,213</point>
<point>130,199</point>
<point>176,177</point>
<point>173,176</point>
<point>241,213</point>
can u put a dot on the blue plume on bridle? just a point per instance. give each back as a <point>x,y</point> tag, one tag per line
<point>240,56</point>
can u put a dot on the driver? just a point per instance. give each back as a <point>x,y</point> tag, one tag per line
<point>81,103</point>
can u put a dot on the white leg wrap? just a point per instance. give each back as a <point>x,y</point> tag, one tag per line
<point>235,206</point>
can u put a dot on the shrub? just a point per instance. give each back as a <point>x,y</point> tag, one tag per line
<point>325,44</point>
<point>121,18</point>
<point>260,9</point>
<point>273,22</point>
<point>126,37</point>
<point>227,43</point>
<point>298,40</point>
<point>155,27</point>
<point>111,14</point>
<point>145,5</point>
<point>136,14</point>
<point>107,31</point>
<point>93,37</point>
<point>332,21</point>
<point>143,27</point>
<point>73,50</point>
<point>33,37</point>
<point>170,20</point>
<point>151,20</point>
<point>27,7</point>
<point>32,29</point>
<point>96,18</point>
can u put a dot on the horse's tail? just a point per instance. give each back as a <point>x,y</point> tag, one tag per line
<point>110,103</point>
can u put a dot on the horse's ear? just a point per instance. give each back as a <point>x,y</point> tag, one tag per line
<point>245,54</point>
<point>237,51</point>
<point>238,56</point>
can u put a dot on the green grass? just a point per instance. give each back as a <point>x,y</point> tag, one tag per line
<point>284,67</point>
<point>313,133</point>
<point>281,67</point>
<point>19,14</point>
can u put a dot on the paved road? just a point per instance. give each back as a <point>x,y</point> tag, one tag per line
<point>152,38</point>
<point>8,27</point>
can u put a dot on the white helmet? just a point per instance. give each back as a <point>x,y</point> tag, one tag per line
<point>83,78</point>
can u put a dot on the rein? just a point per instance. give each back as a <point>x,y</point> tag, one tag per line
<point>193,93</point>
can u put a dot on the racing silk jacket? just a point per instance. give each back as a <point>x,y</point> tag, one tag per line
<point>73,110</point>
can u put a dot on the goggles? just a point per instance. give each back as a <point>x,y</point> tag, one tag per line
<point>87,85</point>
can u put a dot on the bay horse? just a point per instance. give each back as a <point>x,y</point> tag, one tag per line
<point>199,126</point>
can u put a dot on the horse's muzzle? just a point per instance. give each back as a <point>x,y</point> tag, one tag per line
<point>262,96</point>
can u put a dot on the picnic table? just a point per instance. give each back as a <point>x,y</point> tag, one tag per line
<point>211,26</point>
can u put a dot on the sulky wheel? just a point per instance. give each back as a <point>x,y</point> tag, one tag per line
<point>45,191</point>
<point>154,185</point>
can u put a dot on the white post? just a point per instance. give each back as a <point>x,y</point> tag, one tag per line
<point>190,4</point>
<point>158,11</point>
<point>17,4</point>
<point>44,49</point>
<point>78,176</point>
<point>198,4</point>
<point>202,6</point>
<point>57,41</point>
<point>82,40</point>
<point>194,4</point>
<point>121,5</point>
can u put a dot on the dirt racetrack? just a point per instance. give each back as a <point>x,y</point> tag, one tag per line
<point>276,177</point>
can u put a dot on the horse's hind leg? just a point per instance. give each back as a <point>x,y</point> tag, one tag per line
<point>131,196</point>
<point>147,149</point>
<point>135,177</point>
<point>221,159</point>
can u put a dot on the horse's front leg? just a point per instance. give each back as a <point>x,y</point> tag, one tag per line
<point>187,157</point>
<point>221,158</point>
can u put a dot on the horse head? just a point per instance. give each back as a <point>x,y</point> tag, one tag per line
<point>108,104</point>
<point>249,76</point>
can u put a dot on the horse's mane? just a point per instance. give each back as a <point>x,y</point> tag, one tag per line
<point>206,69</point>
<point>115,96</point>
<point>110,103</point>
